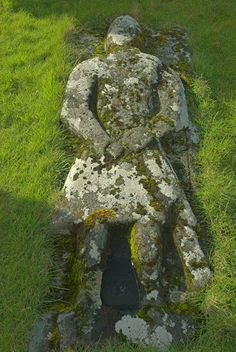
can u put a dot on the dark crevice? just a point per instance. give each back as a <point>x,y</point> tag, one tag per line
<point>172,266</point>
<point>154,101</point>
<point>120,288</point>
<point>92,101</point>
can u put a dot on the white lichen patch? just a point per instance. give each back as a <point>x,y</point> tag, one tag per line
<point>201,276</point>
<point>154,168</point>
<point>152,295</point>
<point>192,252</point>
<point>175,107</point>
<point>164,176</point>
<point>167,190</point>
<point>131,81</point>
<point>187,214</point>
<point>135,329</point>
<point>154,276</point>
<point>161,338</point>
<point>193,256</point>
<point>94,251</point>
<point>171,324</point>
<point>184,326</point>
<point>92,188</point>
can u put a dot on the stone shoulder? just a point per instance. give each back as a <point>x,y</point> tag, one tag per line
<point>89,68</point>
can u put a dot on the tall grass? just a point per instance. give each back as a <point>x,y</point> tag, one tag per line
<point>35,63</point>
<point>31,85</point>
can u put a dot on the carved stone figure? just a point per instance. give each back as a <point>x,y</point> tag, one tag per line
<point>128,238</point>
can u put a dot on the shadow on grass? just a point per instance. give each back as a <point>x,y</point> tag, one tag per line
<point>97,15</point>
<point>24,264</point>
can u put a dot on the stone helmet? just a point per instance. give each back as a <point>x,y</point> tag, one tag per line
<point>124,31</point>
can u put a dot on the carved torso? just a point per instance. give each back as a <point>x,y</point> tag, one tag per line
<point>127,90</point>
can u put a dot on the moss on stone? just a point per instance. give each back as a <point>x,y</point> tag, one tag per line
<point>180,308</point>
<point>179,207</point>
<point>140,209</point>
<point>105,120</point>
<point>177,308</point>
<point>160,117</point>
<point>188,278</point>
<point>167,180</point>
<point>136,45</point>
<point>54,338</point>
<point>156,205</point>
<point>83,316</point>
<point>100,215</point>
<point>182,65</point>
<point>149,184</point>
<point>100,49</point>
<point>114,191</point>
<point>142,313</point>
<point>127,157</point>
<point>134,250</point>
<point>141,167</point>
<point>78,275</point>
<point>62,307</point>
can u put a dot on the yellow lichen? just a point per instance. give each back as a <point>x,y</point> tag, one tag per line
<point>134,250</point>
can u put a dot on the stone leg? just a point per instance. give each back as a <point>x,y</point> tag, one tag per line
<point>92,254</point>
<point>146,253</point>
<point>192,257</point>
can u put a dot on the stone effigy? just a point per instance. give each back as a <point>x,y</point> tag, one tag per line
<point>128,251</point>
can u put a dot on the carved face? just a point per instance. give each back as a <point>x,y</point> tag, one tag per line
<point>124,31</point>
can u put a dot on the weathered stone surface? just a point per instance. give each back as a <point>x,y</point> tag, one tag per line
<point>68,330</point>
<point>131,111</point>
<point>124,31</point>
<point>82,44</point>
<point>171,47</point>
<point>40,334</point>
<point>165,329</point>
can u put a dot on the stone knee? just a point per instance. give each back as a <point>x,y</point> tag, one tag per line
<point>146,253</point>
<point>197,272</point>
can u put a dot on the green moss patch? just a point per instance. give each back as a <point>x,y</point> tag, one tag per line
<point>100,215</point>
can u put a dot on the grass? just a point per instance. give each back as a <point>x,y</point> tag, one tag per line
<point>35,63</point>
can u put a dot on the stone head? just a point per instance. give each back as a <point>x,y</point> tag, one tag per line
<point>124,31</point>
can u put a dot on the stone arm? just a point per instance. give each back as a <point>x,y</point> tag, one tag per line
<point>185,236</point>
<point>79,109</point>
<point>137,138</point>
<point>173,114</point>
